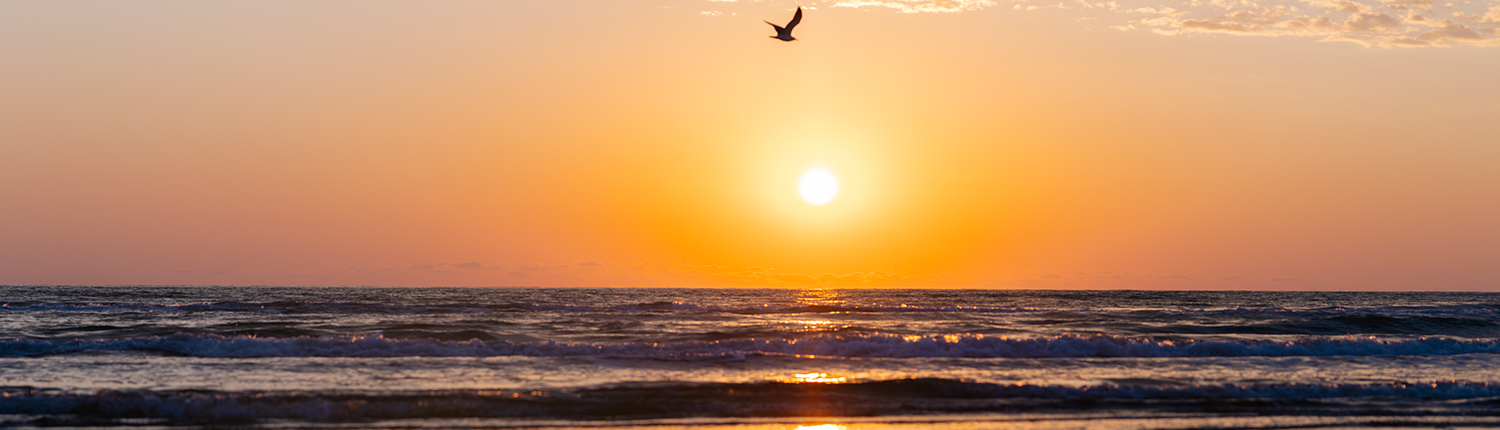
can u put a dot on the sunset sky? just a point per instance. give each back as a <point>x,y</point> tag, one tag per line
<point>1162,144</point>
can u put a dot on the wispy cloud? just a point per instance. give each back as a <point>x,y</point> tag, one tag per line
<point>1384,23</point>
<point>1378,23</point>
<point>918,6</point>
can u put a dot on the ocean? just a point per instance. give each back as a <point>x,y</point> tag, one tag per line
<point>337,357</point>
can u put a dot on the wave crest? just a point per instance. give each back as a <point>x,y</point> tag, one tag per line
<point>655,400</point>
<point>874,346</point>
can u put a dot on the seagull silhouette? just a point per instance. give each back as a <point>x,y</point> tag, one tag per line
<point>785,34</point>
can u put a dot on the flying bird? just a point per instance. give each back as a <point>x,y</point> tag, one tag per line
<point>785,34</point>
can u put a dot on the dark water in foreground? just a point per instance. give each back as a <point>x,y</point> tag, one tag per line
<point>744,359</point>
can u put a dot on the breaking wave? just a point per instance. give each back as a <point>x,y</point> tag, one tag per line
<point>875,346</point>
<point>766,399</point>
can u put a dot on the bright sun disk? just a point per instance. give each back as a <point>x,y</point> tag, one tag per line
<point>818,186</point>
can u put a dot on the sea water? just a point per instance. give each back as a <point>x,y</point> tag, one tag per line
<point>744,358</point>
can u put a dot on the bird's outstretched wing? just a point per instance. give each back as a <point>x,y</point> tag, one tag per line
<point>795,19</point>
<point>778,28</point>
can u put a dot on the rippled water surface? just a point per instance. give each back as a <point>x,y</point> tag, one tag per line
<point>664,358</point>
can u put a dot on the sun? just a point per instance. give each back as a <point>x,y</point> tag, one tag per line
<point>818,186</point>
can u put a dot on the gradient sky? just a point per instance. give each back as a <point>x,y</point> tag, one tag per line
<point>1198,144</point>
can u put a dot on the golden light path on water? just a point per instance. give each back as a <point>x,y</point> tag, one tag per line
<point>815,297</point>
<point>820,297</point>
<point>816,378</point>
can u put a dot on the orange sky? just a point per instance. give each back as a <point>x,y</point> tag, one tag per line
<point>1331,145</point>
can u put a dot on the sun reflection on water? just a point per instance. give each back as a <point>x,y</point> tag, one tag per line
<point>811,326</point>
<point>820,297</point>
<point>818,300</point>
<point>822,427</point>
<point>817,378</point>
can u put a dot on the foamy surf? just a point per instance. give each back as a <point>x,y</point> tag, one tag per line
<point>771,399</point>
